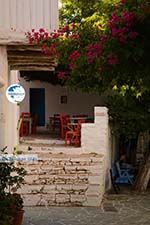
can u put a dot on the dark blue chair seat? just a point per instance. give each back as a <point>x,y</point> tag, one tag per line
<point>124,174</point>
<point>120,177</point>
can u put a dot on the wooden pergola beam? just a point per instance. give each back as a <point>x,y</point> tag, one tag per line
<point>32,68</point>
<point>29,58</point>
<point>24,48</point>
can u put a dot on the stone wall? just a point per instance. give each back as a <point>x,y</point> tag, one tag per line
<point>68,179</point>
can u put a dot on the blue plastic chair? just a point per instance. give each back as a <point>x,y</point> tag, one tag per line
<point>120,177</point>
<point>125,175</point>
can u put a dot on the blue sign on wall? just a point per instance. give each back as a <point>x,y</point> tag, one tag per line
<point>15,93</point>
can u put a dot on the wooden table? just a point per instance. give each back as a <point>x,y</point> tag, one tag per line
<point>87,119</point>
<point>75,119</point>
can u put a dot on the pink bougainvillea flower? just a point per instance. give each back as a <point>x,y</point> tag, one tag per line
<point>114,31</point>
<point>74,56</point>
<point>31,40</point>
<point>55,35</point>
<point>114,20</point>
<point>73,59</point>
<point>36,36</point>
<point>104,39</point>
<point>41,30</point>
<point>61,75</point>
<point>132,35</point>
<point>74,36</point>
<point>94,50</point>
<point>66,28</point>
<point>128,17</point>
<point>112,59</point>
<point>73,25</point>
<point>46,35</point>
<point>122,39</point>
<point>123,1</point>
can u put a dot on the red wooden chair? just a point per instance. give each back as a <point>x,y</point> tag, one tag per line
<point>25,114</point>
<point>73,136</point>
<point>24,128</point>
<point>55,122</point>
<point>64,120</point>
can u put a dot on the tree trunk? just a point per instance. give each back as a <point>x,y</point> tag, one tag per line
<point>143,176</point>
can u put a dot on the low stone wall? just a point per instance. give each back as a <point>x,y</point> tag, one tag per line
<point>64,179</point>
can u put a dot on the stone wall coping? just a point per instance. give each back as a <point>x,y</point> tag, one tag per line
<point>13,37</point>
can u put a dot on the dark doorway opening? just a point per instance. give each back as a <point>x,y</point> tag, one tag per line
<point>37,104</point>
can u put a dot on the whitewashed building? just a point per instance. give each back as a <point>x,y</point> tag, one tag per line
<point>93,157</point>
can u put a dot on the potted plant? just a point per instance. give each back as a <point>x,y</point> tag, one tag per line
<point>6,217</point>
<point>11,203</point>
<point>17,206</point>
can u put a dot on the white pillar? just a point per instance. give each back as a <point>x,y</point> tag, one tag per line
<point>13,116</point>
<point>3,100</point>
<point>8,111</point>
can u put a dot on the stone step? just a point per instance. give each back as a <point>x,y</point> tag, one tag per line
<point>44,141</point>
<point>64,179</point>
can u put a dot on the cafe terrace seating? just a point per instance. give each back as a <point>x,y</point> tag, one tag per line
<point>73,135</point>
<point>28,124</point>
<point>24,128</point>
<point>64,120</point>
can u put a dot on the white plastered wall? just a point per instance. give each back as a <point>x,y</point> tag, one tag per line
<point>96,138</point>
<point>77,102</point>
<point>20,16</point>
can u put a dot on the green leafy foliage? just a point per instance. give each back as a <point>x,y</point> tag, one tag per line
<point>11,178</point>
<point>104,48</point>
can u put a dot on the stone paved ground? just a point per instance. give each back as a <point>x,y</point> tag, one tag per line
<point>122,209</point>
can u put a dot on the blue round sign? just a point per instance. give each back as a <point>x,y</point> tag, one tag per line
<point>15,93</point>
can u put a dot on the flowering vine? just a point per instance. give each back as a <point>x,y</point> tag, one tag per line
<point>109,52</point>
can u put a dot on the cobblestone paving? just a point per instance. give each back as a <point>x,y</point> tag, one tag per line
<point>122,209</point>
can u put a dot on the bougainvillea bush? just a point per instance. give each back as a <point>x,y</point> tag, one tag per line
<point>109,53</point>
<point>104,51</point>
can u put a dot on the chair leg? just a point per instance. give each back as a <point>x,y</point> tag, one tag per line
<point>116,188</point>
<point>24,129</point>
<point>66,139</point>
<point>21,130</point>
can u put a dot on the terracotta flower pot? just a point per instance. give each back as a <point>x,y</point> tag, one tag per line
<point>18,217</point>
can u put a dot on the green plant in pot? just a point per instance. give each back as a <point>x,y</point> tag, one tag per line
<point>11,203</point>
<point>17,208</point>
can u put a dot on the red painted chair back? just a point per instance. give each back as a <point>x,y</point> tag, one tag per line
<point>55,122</point>
<point>24,128</point>
<point>25,115</point>
<point>73,137</point>
<point>64,120</point>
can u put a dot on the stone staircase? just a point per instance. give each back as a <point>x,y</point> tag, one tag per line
<point>62,176</point>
